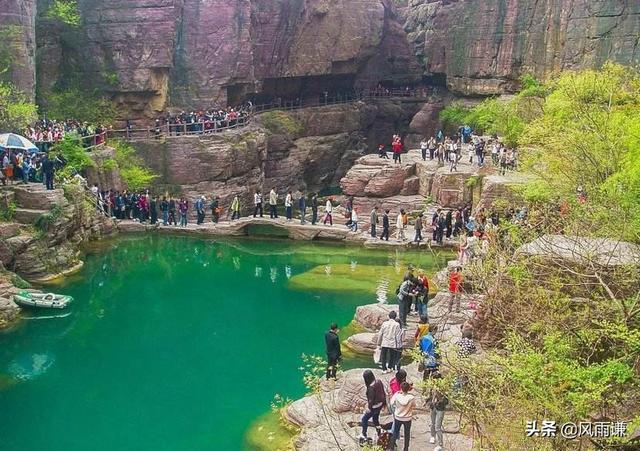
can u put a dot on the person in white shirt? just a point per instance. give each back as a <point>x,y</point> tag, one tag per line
<point>354,221</point>
<point>400,226</point>
<point>288,204</point>
<point>257,201</point>
<point>390,343</point>
<point>424,145</point>
<point>273,202</point>
<point>328,209</point>
<point>402,404</point>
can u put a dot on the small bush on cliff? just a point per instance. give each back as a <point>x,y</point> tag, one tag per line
<point>16,111</point>
<point>453,116</point>
<point>132,171</point>
<point>65,12</point>
<point>279,122</point>
<point>75,157</point>
<point>77,103</point>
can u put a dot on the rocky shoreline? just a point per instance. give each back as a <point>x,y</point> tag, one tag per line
<point>329,419</point>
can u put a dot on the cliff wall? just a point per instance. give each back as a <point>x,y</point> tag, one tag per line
<point>483,46</point>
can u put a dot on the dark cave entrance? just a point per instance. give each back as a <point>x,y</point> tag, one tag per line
<point>437,79</point>
<point>307,90</point>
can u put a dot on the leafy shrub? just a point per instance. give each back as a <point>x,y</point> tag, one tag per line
<point>16,110</point>
<point>79,104</point>
<point>74,155</point>
<point>131,168</point>
<point>65,12</point>
<point>279,122</point>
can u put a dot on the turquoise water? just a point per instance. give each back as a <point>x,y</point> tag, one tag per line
<point>171,344</point>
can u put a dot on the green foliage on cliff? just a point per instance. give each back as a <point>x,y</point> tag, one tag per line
<point>279,122</point>
<point>65,12</point>
<point>80,104</point>
<point>76,158</point>
<point>16,111</point>
<point>9,35</point>
<point>134,174</point>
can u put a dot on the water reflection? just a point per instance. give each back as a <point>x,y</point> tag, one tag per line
<point>30,366</point>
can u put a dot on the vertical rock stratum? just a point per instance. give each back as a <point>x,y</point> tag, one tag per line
<point>152,54</point>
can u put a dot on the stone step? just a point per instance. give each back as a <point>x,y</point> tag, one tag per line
<point>35,196</point>
<point>27,215</point>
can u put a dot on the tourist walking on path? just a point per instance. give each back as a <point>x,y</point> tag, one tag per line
<point>273,203</point>
<point>438,403</point>
<point>235,208</point>
<point>172,211</point>
<point>397,150</point>
<point>215,209</point>
<point>428,348</point>
<point>402,404</point>
<point>328,209</point>
<point>423,300</point>
<point>385,226</point>
<point>314,208</point>
<point>421,330</point>
<point>400,225</point>
<point>334,353</point>
<point>390,343</point>
<point>200,209</point>
<point>418,229</point>
<point>257,202</point>
<point>183,206</point>
<point>404,300</point>
<point>373,219</point>
<point>288,205</point>
<point>376,401</point>
<point>164,208</point>
<point>353,226</point>
<point>424,146</point>
<point>455,282</point>
<point>302,206</point>
<point>153,210</point>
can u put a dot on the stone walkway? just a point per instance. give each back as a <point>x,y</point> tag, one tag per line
<point>293,229</point>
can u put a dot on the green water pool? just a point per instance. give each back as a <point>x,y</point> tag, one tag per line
<point>175,343</point>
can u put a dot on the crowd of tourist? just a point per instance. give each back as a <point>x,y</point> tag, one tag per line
<point>414,289</point>
<point>204,121</point>
<point>19,166</point>
<point>46,132</point>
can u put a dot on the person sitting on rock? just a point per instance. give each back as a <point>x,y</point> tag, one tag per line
<point>376,401</point>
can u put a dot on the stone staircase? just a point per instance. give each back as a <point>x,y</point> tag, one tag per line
<point>33,200</point>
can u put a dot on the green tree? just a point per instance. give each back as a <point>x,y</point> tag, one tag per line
<point>76,158</point>
<point>65,12</point>
<point>77,103</point>
<point>16,111</point>
<point>134,174</point>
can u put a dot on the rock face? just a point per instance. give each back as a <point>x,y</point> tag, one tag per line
<point>18,43</point>
<point>484,46</point>
<point>197,53</point>
<point>377,178</point>
<point>47,229</point>
<point>310,149</point>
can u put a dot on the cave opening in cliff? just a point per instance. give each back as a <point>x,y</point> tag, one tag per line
<point>307,90</point>
<point>436,79</point>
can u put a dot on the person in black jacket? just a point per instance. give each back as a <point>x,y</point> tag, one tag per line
<point>385,226</point>
<point>334,353</point>
<point>376,400</point>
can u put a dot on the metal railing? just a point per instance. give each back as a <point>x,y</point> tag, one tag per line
<point>217,126</point>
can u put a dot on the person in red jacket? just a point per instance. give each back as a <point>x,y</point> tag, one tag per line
<point>397,150</point>
<point>455,281</point>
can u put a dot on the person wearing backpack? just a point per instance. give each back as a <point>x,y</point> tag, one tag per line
<point>438,402</point>
<point>376,400</point>
<point>428,349</point>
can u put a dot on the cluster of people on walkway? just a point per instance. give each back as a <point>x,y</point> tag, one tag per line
<point>401,397</point>
<point>45,132</point>
<point>204,121</point>
<point>20,166</point>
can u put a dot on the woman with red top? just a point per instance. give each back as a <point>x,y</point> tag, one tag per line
<point>397,150</point>
<point>455,280</point>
